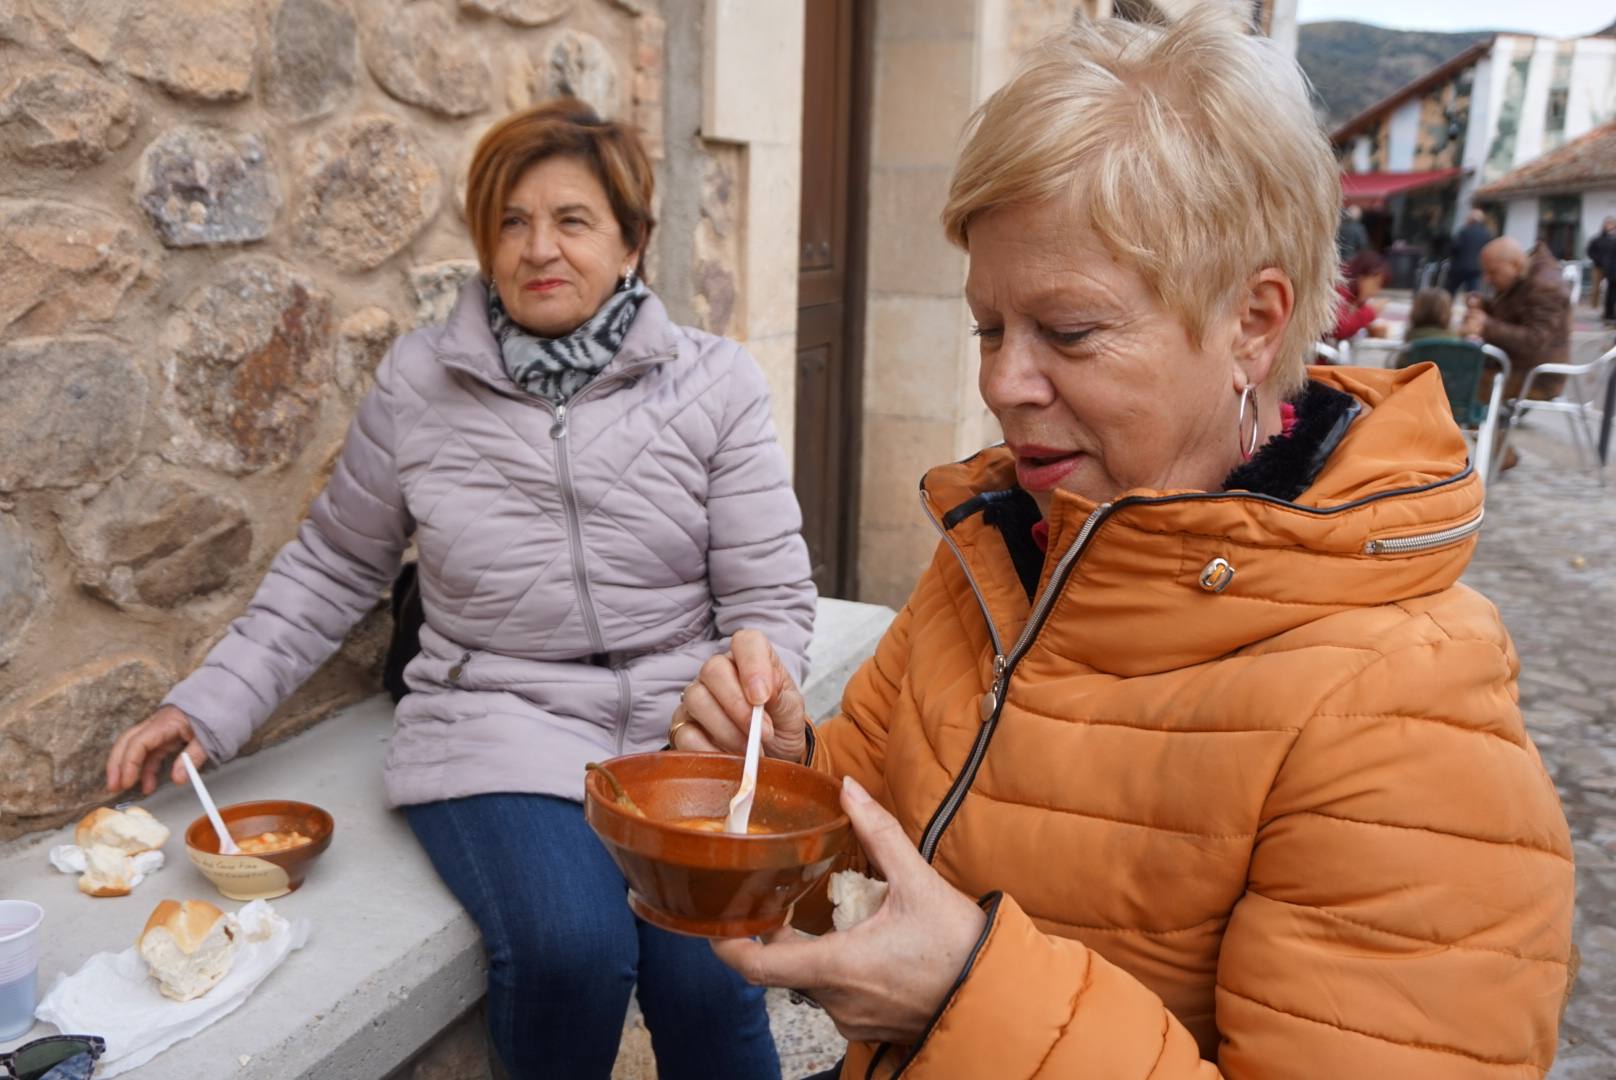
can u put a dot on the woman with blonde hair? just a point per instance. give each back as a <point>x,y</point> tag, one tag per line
<point>1189,756</point>
<point>599,503</point>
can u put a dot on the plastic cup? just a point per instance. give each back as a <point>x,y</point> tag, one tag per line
<point>19,965</point>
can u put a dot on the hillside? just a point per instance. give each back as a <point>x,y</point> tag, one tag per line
<point>1353,65</point>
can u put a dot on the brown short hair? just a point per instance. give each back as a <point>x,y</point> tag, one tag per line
<point>560,126</point>
<point>1432,307</point>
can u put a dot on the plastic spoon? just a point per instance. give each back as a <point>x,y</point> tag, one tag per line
<point>740,806</point>
<point>227,844</point>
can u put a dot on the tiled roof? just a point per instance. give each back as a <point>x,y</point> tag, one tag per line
<point>1588,161</point>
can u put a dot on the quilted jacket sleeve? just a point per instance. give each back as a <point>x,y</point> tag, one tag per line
<point>345,554</point>
<point>1407,913</point>
<point>757,560</point>
<point>854,742</point>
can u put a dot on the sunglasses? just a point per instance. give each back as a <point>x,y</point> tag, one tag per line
<point>59,1057</point>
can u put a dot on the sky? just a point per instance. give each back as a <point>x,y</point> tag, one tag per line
<point>1550,18</point>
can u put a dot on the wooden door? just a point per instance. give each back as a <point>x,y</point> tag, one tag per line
<point>830,286</point>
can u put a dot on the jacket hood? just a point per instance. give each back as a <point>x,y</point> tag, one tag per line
<point>466,342</point>
<point>1134,602</point>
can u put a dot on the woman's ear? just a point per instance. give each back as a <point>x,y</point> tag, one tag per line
<point>1263,313</point>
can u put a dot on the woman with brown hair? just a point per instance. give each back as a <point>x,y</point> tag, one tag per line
<point>599,503</point>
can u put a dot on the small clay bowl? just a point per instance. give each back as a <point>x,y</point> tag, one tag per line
<point>714,884</point>
<point>266,876</point>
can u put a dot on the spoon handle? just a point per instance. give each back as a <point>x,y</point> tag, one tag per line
<point>740,807</point>
<point>227,843</point>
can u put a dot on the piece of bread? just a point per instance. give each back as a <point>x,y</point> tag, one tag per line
<point>130,831</point>
<point>108,872</point>
<point>188,947</point>
<point>855,897</point>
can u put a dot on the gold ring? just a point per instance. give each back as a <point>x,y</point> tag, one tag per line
<point>674,730</point>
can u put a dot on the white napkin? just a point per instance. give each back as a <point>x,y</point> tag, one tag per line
<point>113,996</point>
<point>70,859</point>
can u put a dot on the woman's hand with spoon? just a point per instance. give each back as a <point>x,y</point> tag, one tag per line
<point>140,751</point>
<point>715,711</point>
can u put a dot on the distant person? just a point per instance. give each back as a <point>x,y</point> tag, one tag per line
<point>1529,317</point>
<point>1464,264</point>
<point>1350,236</point>
<point>1356,308</point>
<point>1431,316</point>
<point>1602,252</point>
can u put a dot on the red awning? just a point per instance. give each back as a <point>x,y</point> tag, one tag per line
<point>1372,189</point>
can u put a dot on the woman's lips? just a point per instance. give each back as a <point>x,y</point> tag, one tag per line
<point>1042,468</point>
<point>543,286</point>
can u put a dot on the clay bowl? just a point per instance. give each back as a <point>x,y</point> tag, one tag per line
<point>713,884</point>
<point>271,874</point>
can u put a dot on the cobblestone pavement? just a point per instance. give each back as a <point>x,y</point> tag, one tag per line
<point>1547,558</point>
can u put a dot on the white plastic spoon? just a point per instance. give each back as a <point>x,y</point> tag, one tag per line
<point>740,806</point>
<point>227,844</point>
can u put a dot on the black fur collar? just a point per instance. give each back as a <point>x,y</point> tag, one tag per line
<point>1287,465</point>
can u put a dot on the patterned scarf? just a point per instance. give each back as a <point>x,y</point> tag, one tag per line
<point>557,368</point>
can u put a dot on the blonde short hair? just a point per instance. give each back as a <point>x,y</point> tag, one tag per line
<point>1197,155</point>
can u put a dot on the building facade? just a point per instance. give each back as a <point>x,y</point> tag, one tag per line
<point>1417,159</point>
<point>214,219</point>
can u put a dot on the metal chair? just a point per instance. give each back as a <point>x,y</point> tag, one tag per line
<point>1331,354</point>
<point>1579,403</point>
<point>1462,365</point>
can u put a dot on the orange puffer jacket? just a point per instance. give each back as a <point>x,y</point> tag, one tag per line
<point>1293,828</point>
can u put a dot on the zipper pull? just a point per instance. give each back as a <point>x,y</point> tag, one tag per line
<point>558,429</point>
<point>990,700</point>
<point>460,668</point>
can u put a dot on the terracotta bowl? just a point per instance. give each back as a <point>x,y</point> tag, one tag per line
<point>266,876</point>
<point>713,884</point>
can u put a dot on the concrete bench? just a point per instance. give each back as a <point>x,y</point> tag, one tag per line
<point>393,960</point>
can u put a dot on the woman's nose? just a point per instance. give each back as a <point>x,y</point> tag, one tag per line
<point>1010,376</point>
<point>541,244</point>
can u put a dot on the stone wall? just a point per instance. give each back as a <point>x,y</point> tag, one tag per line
<point>215,215</point>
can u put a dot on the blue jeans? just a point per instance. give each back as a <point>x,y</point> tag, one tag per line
<point>564,950</point>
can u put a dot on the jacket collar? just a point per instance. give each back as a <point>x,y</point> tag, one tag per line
<point>467,342</point>
<point>1133,602</point>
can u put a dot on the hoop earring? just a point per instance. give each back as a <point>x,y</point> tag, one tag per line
<point>1250,447</point>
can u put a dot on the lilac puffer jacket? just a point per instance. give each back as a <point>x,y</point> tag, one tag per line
<point>577,565</point>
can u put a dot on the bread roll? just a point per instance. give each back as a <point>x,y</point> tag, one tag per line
<point>130,831</point>
<point>855,897</point>
<point>107,872</point>
<point>188,947</point>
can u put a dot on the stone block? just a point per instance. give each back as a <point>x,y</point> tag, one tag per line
<point>313,61</point>
<point>21,595</point>
<point>151,540</point>
<point>63,267</point>
<point>56,116</point>
<point>198,49</point>
<point>918,355</point>
<point>202,187</point>
<point>435,287</point>
<point>897,453</point>
<point>71,411</point>
<point>922,100</point>
<point>909,253</point>
<point>363,338</point>
<point>368,187</point>
<point>579,64</point>
<point>55,741</point>
<point>520,12</point>
<point>421,56</point>
<point>247,361</point>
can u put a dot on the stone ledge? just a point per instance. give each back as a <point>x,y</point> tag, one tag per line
<point>393,961</point>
